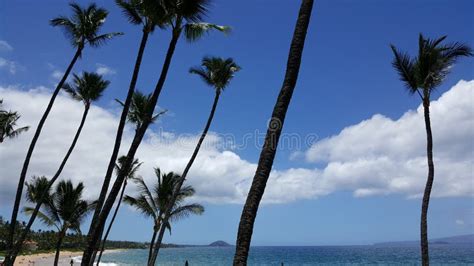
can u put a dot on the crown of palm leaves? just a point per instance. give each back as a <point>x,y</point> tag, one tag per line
<point>84,25</point>
<point>86,88</point>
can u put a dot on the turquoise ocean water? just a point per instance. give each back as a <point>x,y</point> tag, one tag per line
<point>319,255</point>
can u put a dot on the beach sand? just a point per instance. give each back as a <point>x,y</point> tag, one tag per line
<point>46,259</point>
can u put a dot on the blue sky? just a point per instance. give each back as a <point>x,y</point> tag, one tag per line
<point>345,78</point>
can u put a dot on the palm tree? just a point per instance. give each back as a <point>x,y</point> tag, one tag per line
<point>267,155</point>
<point>149,14</point>
<point>151,203</point>
<point>422,75</point>
<point>217,73</point>
<point>139,107</point>
<point>8,120</point>
<point>81,28</point>
<point>130,174</point>
<point>64,209</point>
<point>184,15</point>
<point>87,89</point>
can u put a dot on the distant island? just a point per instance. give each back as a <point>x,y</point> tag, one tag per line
<point>453,240</point>
<point>220,243</point>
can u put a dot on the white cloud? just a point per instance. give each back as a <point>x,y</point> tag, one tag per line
<point>104,70</point>
<point>8,65</point>
<point>385,156</point>
<point>378,156</point>
<point>459,222</point>
<point>57,75</point>
<point>4,46</point>
<point>214,175</point>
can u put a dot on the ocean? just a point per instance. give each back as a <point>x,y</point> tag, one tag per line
<point>318,255</point>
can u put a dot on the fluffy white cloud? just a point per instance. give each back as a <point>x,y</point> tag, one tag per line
<point>104,70</point>
<point>376,156</point>
<point>384,156</point>
<point>4,46</point>
<point>214,175</point>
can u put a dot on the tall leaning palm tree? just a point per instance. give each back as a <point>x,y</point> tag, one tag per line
<point>151,203</point>
<point>86,88</point>
<point>421,75</point>
<point>64,209</point>
<point>138,109</point>
<point>82,28</point>
<point>267,155</point>
<point>8,120</point>
<point>148,14</point>
<point>130,173</point>
<point>217,73</point>
<point>184,16</point>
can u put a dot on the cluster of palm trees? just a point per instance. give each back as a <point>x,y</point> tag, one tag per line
<point>164,203</point>
<point>63,209</point>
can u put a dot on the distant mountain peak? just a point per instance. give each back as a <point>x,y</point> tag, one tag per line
<point>219,243</point>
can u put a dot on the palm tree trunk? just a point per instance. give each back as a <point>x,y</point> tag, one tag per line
<point>429,184</point>
<point>267,155</point>
<point>121,126</point>
<point>61,235</point>
<point>152,243</point>
<point>96,228</point>
<point>17,246</point>
<point>21,181</point>
<point>183,177</point>
<point>112,221</point>
<point>118,140</point>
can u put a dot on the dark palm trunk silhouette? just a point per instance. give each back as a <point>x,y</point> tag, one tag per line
<point>183,178</point>
<point>111,222</point>
<point>118,137</point>
<point>96,228</point>
<point>429,184</point>
<point>17,246</point>
<point>267,155</point>
<point>24,170</point>
<point>58,246</point>
<point>152,243</point>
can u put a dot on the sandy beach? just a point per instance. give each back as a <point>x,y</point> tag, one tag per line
<point>47,259</point>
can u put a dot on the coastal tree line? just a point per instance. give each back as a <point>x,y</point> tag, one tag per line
<point>164,203</point>
<point>46,240</point>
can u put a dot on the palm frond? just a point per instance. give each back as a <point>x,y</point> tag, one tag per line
<point>405,67</point>
<point>103,38</point>
<point>191,10</point>
<point>43,217</point>
<point>88,87</point>
<point>84,25</point>
<point>195,31</point>
<point>145,191</point>
<point>129,10</point>
<point>38,187</point>
<point>216,72</point>
<point>142,204</point>
<point>184,211</point>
